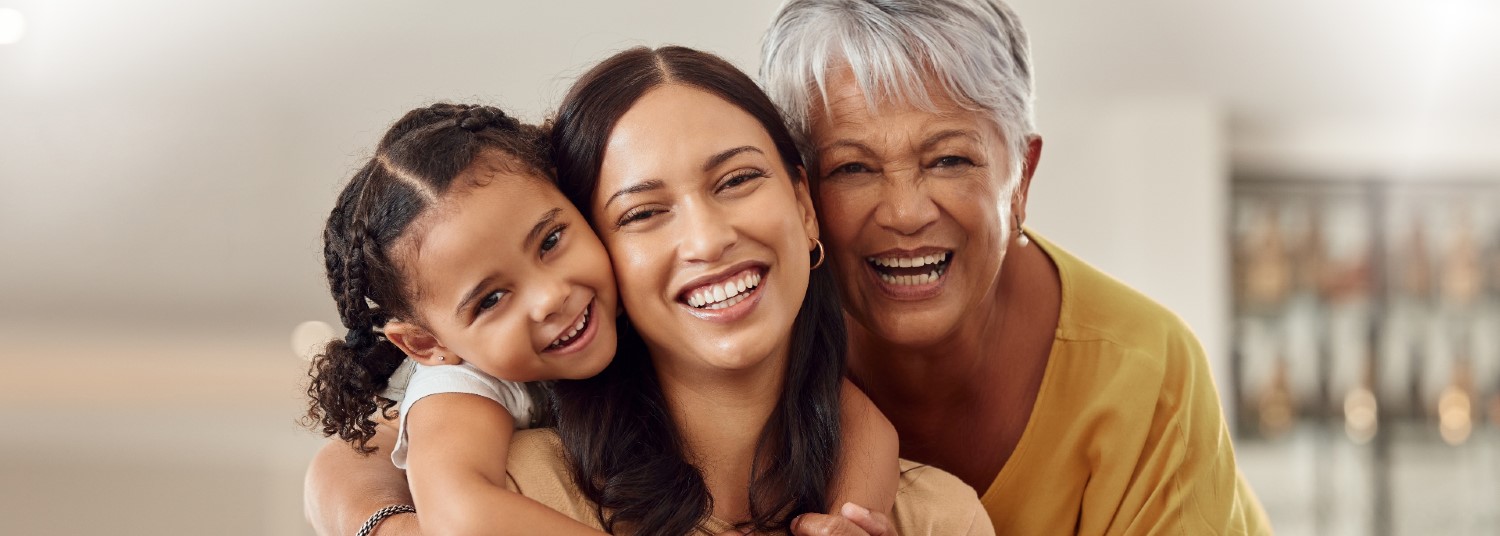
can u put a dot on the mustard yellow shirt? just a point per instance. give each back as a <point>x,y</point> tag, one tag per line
<point>929,501</point>
<point>1127,436</point>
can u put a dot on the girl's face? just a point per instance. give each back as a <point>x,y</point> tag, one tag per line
<point>508,276</point>
<point>709,236</point>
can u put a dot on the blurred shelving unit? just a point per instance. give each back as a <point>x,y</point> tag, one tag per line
<point>1366,353</point>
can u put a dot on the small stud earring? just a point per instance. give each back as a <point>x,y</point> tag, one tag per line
<point>440,358</point>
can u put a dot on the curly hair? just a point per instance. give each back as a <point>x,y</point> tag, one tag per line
<point>415,163</point>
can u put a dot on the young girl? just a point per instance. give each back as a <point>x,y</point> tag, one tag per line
<point>453,247</point>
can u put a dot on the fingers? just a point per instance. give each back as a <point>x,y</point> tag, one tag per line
<point>826,525</point>
<point>873,523</point>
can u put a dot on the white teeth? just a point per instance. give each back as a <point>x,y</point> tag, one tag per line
<point>583,322</point>
<point>908,262</point>
<point>724,294</point>
<point>911,280</point>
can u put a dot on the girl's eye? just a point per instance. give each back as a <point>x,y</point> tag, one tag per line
<point>849,169</point>
<point>553,238</point>
<point>490,300</point>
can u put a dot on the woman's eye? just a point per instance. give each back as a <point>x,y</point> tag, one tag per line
<point>741,178</point>
<point>490,300</point>
<point>951,161</point>
<point>851,168</point>
<point>552,239</point>
<point>637,215</point>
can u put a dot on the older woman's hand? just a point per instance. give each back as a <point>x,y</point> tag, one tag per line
<point>853,520</point>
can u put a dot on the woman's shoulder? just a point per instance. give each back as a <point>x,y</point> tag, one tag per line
<point>932,501</point>
<point>1099,308</point>
<point>537,468</point>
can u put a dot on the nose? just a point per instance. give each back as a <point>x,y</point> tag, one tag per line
<point>905,208</point>
<point>706,234</point>
<point>547,299</point>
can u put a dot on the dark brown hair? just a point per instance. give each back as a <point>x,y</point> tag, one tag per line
<point>414,165</point>
<point>622,445</point>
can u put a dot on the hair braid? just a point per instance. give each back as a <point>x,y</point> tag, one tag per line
<point>416,161</point>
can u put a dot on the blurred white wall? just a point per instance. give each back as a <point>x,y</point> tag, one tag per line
<point>165,167</point>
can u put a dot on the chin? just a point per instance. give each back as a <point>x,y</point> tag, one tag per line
<point>915,329</point>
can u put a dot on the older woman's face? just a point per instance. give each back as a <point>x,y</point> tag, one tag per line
<point>914,211</point>
<point>709,236</point>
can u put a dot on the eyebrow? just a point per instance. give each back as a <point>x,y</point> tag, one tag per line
<point>463,304</point>
<point>542,223</point>
<point>725,155</point>
<point>653,184</point>
<point>946,135</point>
<point>926,144</point>
<point>845,143</point>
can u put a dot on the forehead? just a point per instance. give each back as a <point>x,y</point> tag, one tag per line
<point>850,106</point>
<point>675,126</point>
<point>485,216</point>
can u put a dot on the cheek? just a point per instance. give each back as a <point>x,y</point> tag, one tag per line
<point>840,214</point>
<point>635,278</point>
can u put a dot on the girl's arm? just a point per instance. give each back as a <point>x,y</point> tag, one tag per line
<point>456,454</point>
<point>868,468</point>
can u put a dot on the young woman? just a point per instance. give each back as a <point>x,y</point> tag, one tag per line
<point>724,414</point>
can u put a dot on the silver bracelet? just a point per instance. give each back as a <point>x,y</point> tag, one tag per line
<point>380,515</point>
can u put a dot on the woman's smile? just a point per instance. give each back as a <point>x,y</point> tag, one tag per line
<point>910,274</point>
<point>726,296</point>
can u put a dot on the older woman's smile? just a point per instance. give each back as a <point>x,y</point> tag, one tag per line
<point>902,272</point>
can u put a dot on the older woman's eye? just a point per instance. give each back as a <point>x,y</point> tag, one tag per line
<point>850,168</point>
<point>951,161</point>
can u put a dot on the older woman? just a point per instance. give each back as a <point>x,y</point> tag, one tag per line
<point>1073,403</point>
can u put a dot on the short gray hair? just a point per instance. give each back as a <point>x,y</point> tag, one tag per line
<point>976,48</point>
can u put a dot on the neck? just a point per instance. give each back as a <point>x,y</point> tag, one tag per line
<point>902,374</point>
<point>720,415</point>
<point>983,365</point>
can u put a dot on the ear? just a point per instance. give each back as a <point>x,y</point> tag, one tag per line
<point>1033,157</point>
<point>419,344</point>
<point>805,204</point>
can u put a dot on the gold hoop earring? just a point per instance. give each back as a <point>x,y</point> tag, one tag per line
<point>821,256</point>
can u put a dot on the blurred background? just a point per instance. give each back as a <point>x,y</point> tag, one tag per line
<point>1313,186</point>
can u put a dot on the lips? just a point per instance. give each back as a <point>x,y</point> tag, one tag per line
<point>574,335</point>
<point>725,296</point>
<point>715,296</point>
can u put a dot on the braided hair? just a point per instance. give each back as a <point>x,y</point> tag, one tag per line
<point>414,165</point>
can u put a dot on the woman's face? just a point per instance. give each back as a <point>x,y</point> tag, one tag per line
<point>709,236</point>
<point>914,211</point>
<point>509,277</point>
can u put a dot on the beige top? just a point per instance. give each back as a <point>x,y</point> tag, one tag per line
<point>928,500</point>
